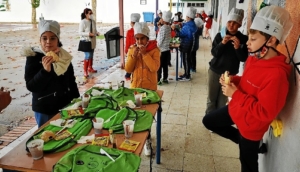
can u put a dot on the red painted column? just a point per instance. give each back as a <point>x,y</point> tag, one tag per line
<point>121,22</point>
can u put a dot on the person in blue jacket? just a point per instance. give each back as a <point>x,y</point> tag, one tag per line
<point>49,73</point>
<point>186,43</point>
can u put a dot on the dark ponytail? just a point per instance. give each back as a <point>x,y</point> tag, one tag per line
<point>82,16</point>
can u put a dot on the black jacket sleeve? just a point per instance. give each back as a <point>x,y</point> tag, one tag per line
<point>36,77</point>
<point>217,46</point>
<point>73,84</point>
<point>242,52</point>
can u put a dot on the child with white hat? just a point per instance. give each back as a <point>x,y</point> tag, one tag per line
<point>157,21</point>
<point>130,40</point>
<point>199,23</point>
<point>228,51</point>
<point>163,42</point>
<point>49,73</point>
<point>143,59</point>
<point>186,45</point>
<point>260,93</point>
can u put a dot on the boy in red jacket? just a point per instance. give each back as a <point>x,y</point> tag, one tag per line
<point>260,94</point>
<point>130,40</point>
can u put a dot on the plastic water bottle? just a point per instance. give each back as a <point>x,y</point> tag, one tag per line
<point>41,18</point>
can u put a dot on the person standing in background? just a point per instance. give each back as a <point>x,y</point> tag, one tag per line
<point>186,45</point>
<point>208,24</point>
<point>198,15</point>
<point>130,40</point>
<point>157,21</point>
<point>199,24</point>
<point>88,32</point>
<point>163,42</point>
<point>203,14</point>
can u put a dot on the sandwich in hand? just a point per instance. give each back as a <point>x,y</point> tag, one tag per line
<point>54,55</point>
<point>226,77</point>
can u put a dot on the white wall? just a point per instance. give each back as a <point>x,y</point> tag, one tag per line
<point>69,11</point>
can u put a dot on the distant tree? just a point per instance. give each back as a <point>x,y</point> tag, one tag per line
<point>34,4</point>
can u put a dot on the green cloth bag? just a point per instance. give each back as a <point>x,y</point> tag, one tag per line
<point>87,158</point>
<point>113,119</point>
<point>123,94</point>
<point>81,128</point>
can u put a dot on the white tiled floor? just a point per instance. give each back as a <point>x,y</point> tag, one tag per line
<point>186,144</point>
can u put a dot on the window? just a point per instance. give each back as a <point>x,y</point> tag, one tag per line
<point>195,4</point>
<point>143,2</point>
<point>214,8</point>
<point>178,4</point>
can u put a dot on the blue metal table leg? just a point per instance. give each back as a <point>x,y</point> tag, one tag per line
<point>158,133</point>
<point>176,64</point>
<point>180,60</point>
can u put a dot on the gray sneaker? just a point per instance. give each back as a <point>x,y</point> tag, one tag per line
<point>184,79</point>
<point>147,147</point>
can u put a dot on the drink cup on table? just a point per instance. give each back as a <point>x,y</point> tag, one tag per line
<point>98,125</point>
<point>36,148</point>
<point>128,128</point>
<point>85,100</point>
<point>138,100</point>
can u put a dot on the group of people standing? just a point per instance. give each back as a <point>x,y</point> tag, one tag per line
<point>256,97</point>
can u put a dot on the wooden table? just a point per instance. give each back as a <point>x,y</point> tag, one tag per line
<point>18,159</point>
<point>176,46</point>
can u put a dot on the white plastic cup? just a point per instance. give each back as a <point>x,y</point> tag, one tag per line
<point>36,148</point>
<point>98,125</point>
<point>85,100</point>
<point>138,100</point>
<point>128,128</point>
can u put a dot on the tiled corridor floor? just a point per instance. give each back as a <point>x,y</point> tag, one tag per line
<point>186,144</point>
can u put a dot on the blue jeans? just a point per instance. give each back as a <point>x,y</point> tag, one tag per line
<point>89,55</point>
<point>42,118</point>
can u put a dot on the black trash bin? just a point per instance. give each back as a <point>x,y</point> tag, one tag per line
<point>112,39</point>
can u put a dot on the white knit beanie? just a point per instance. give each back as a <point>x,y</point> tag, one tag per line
<point>49,25</point>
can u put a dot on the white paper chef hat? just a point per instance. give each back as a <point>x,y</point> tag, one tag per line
<point>175,18</point>
<point>158,11</point>
<point>273,20</point>
<point>236,15</point>
<point>209,13</point>
<point>166,16</point>
<point>141,28</point>
<point>191,12</point>
<point>49,25</point>
<point>198,22</point>
<point>135,17</point>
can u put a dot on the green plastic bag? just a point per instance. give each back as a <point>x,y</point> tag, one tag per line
<point>87,158</point>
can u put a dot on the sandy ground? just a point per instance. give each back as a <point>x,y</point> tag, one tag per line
<point>12,38</point>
